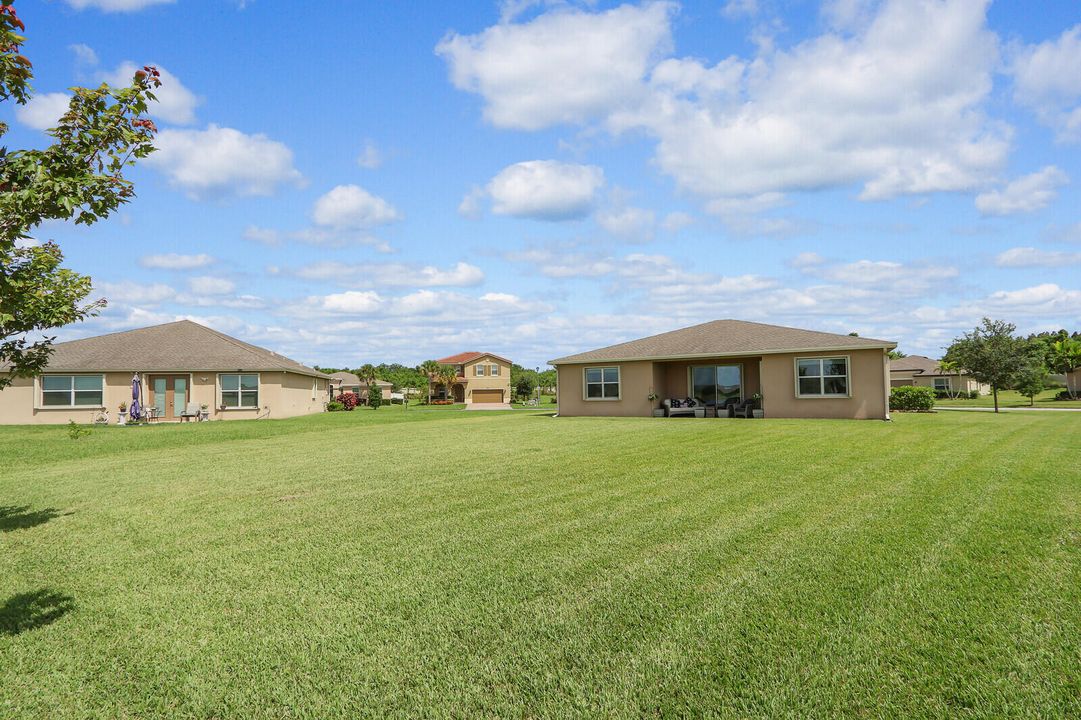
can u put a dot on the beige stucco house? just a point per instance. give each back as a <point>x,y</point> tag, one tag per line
<point>482,378</point>
<point>924,372</point>
<point>798,373</point>
<point>178,363</point>
<point>349,382</point>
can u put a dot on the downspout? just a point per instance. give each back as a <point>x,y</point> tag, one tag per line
<point>886,381</point>
<point>557,391</point>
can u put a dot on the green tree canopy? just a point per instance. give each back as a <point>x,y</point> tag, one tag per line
<point>991,354</point>
<point>78,177</point>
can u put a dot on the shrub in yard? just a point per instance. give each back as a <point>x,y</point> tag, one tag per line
<point>375,397</point>
<point>941,394</point>
<point>76,431</point>
<point>973,394</point>
<point>348,400</point>
<point>335,406</point>
<point>1063,395</point>
<point>910,398</point>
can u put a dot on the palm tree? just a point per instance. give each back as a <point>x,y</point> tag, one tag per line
<point>946,367</point>
<point>430,369</point>
<point>447,375</point>
<point>1066,356</point>
<point>366,373</point>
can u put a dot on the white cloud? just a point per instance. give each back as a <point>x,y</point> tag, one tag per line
<point>1046,298</point>
<point>1025,194</point>
<point>676,221</point>
<point>1046,79</point>
<point>262,235</point>
<point>545,190</point>
<point>116,5</point>
<point>893,278</point>
<point>84,55</point>
<point>393,274</point>
<point>175,103</point>
<point>630,223</point>
<point>352,301</point>
<point>135,293</point>
<point>43,111</point>
<point>176,261</point>
<point>370,158</point>
<point>207,285</point>
<point>470,206</point>
<point>222,161</point>
<point>565,66</point>
<point>806,260</point>
<point>351,206</point>
<point>1024,257</point>
<point>740,8</point>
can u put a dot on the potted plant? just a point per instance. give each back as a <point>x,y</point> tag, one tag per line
<point>122,415</point>
<point>203,411</point>
<point>757,412</point>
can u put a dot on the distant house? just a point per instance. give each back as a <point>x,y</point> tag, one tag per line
<point>923,371</point>
<point>178,363</point>
<point>483,377</point>
<point>798,373</point>
<point>348,382</point>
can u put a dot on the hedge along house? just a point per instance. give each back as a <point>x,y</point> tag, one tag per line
<point>179,363</point>
<point>798,373</point>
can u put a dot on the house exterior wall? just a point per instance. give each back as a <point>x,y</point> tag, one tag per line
<point>486,381</point>
<point>772,375</point>
<point>286,394</point>
<point>868,372</point>
<point>966,384</point>
<point>636,378</point>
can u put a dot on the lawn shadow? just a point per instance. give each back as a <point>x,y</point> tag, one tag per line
<point>13,517</point>
<point>29,611</point>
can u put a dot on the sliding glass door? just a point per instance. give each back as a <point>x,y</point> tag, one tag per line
<point>717,384</point>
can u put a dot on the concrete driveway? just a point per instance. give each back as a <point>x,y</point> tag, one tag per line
<point>488,406</point>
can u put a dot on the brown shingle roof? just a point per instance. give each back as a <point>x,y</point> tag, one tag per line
<point>348,379</point>
<point>176,346</point>
<point>919,365</point>
<point>725,337</point>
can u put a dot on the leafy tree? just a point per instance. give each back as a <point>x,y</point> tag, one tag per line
<point>1032,378</point>
<point>430,370</point>
<point>375,396</point>
<point>896,354</point>
<point>525,385</point>
<point>79,176</point>
<point>991,354</point>
<point>1065,355</point>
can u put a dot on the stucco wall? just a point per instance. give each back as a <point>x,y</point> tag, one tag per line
<point>677,374</point>
<point>286,394</point>
<point>636,378</point>
<point>868,387</point>
<point>966,384</point>
<point>486,382</point>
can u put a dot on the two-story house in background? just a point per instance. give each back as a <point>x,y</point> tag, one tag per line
<point>482,378</point>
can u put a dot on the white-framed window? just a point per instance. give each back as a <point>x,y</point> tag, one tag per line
<point>942,383</point>
<point>602,383</point>
<point>822,377</point>
<point>494,370</point>
<point>72,390</point>
<point>478,370</point>
<point>239,390</point>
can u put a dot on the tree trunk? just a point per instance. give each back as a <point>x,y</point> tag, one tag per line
<point>994,391</point>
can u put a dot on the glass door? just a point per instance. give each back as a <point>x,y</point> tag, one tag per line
<point>717,385</point>
<point>169,395</point>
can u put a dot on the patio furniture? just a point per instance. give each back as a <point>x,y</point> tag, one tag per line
<point>191,411</point>
<point>743,409</point>
<point>150,413</point>
<point>676,407</point>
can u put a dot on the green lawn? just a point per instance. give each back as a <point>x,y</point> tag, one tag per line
<point>1011,398</point>
<point>433,564</point>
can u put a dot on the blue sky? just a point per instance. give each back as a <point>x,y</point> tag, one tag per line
<point>368,182</point>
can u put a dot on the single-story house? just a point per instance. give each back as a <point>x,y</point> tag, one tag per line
<point>341,382</point>
<point>798,373</point>
<point>178,363</point>
<point>483,377</point>
<point>923,371</point>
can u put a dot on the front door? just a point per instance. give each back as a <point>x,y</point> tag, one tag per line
<point>169,395</point>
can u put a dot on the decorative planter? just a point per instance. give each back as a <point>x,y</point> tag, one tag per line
<point>758,413</point>
<point>122,418</point>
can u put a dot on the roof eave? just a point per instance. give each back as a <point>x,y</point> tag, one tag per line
<point>698,356</point>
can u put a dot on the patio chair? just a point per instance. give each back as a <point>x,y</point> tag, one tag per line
<point>743,409</point>
<point>191,411</point>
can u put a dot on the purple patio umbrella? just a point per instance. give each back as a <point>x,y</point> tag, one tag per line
<point>135,412</point>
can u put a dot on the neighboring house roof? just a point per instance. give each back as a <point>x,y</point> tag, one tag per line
<point>919,365</point>
<point>176,346</point>
<point>469,357</point>
<point>725,337</point>
<point>349,379</point>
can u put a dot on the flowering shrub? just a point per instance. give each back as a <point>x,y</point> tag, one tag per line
<point>349,400</point>
<point>910,398</point>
